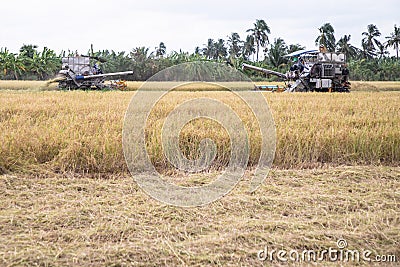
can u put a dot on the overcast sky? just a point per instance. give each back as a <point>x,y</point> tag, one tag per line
<point>122,24</point>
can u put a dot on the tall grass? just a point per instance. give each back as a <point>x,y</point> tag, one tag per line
<point>82,131</point>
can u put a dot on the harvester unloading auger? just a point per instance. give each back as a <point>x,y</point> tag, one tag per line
<point>313,71</point>
<point>77,73</point>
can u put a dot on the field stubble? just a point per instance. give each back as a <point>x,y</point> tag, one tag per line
<point>71,220</point>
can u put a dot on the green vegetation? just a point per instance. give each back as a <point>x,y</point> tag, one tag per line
<point>370,62</point>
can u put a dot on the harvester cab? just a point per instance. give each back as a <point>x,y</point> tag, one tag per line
<point>313,70</point>
<point>80,72</point>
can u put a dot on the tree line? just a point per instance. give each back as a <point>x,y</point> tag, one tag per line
<point>370,61</point>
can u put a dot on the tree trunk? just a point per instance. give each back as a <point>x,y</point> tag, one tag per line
<point>258,48</point>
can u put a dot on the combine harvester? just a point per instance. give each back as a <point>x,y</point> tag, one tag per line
<point>77,73</point>
<point>313,71</point>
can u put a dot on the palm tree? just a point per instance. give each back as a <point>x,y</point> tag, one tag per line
<point>326,37</point>
<point>197,51</point>
<point>260,31</point>
<point>161,50</point>
<point>276,52</point>
<point>381,51</point>
<point>369,41</point>
<point>295,47</point>
<point>220,49</point>
<point>345,47</point>
<point>234,45</point>
<point>394,40</point>
<point>248,47</point>
<point>366,52</point>
<point>209,50</point>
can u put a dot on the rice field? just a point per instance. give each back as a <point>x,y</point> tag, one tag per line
<point>67,197</point>
<point>82,131</point>
<point>134,85</point>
